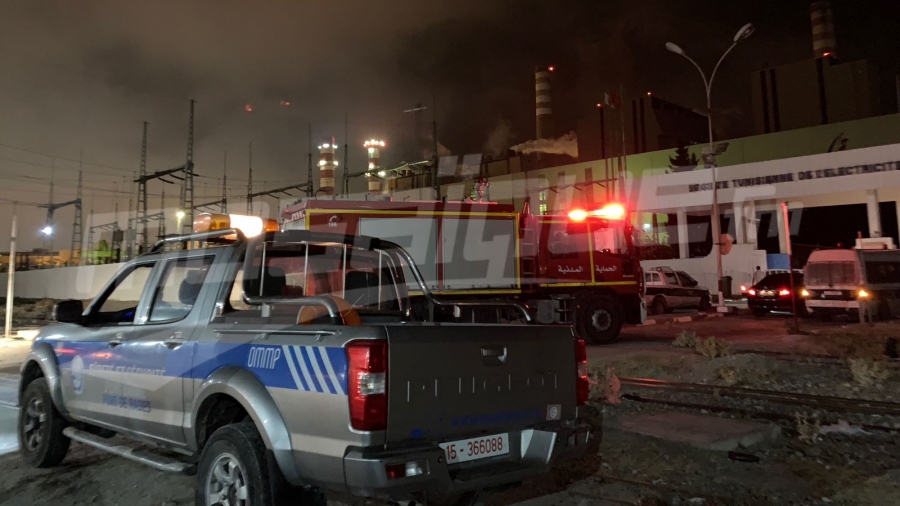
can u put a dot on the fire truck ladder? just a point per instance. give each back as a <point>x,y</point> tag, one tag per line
<point>529,245</point>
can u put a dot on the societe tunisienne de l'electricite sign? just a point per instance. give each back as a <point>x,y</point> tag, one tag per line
<point>801,175</point>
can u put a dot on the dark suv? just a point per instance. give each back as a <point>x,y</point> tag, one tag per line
<point>774,293</point>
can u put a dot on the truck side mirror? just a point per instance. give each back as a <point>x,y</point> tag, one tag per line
<point>68,311</point>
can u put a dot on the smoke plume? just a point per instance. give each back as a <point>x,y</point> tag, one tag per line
<point>498,140</point>
<point>565,145</point>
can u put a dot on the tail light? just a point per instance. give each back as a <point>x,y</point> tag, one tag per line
<point>784,292</point>
<point>582,384</point>
<point>751,292</point>
<point>367,379</point>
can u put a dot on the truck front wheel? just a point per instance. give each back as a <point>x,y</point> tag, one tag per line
<point>40,427</point>
<point>599,319</point>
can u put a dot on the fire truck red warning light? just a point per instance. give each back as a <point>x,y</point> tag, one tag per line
<point>609,212</point>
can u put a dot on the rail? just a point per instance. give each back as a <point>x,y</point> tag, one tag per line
<point>842,404</point>
<point>430,296</point>
<point>333,311</point>
<point>158,245</point>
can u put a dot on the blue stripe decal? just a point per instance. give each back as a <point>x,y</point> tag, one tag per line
<point>198,360</point>
<point>309,367</point>
<point>338,358</point>
<point>293,358</point>
<point>317,352</point>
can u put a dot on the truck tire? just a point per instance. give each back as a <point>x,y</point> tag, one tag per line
<point>233,469</point>
<point>599,319</point>
<point>40,427</point>
<point>705,304</point>
<point>658,306</point>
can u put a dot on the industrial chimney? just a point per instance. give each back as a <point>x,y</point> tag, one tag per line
<point>374,173</point>
<point>824,42</point>
<point>542,104</point>
<point>327,163</point>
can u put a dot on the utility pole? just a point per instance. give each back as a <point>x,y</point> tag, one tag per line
<point>309,172</point>
<point>187,195</point>
<point>346,182</point>
<point>129,228</point>
<point>162,216</point>
<point>48,243</point>
<point>11,275</point>
<point>142,195</point>
<point>434,158</point>
<point>224,206</point>
<point>250,184</point>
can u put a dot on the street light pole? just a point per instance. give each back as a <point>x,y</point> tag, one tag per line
<point>11,277</point>
<point>742,34</point>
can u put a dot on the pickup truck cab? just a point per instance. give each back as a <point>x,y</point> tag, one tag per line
<point>290,361</point>
<point>667,289</point>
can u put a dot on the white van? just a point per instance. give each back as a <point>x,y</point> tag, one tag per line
<point>841,281</point>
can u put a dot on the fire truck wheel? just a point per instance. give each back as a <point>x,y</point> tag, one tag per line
<point>599,319</point>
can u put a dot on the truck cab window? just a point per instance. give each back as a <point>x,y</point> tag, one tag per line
<point>120,302</point>
<point>178,288</point>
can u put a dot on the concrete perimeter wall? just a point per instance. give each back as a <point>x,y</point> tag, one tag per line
<point>63,283</point>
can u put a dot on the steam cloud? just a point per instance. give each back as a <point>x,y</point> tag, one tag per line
<point>565,145</point>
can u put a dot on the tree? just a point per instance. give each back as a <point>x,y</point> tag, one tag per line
<point>683,161</point>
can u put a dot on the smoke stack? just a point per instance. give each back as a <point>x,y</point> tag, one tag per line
<point>543,106</point>
<point>327,163</point>
<point>824,42</point>
<point>373,148</point>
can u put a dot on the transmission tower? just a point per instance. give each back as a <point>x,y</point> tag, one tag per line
<point>187,195</point>
<point>142,221</point>
<point>77,226</point>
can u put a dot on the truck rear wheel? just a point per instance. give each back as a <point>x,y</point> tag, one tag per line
<point>233,469</point>
<point>40,427</point>
<point>599,319</point>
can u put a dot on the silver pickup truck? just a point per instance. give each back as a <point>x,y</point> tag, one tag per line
<point>289,363</point>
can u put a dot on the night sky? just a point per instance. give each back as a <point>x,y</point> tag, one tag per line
<point>82,77</point>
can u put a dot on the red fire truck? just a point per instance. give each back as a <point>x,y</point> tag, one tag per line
<point>577,269</point>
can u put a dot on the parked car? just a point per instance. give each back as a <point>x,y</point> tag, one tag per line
<point>667,289</point>
<point>773,293</point>
<point>287,362</point>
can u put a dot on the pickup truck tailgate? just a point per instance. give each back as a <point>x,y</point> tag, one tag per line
<point>450,380</point>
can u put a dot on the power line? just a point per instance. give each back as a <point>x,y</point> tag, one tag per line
<point>17,148</point>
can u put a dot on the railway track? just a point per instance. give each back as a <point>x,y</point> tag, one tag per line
<point>814,358</point>
<point>834,404</point>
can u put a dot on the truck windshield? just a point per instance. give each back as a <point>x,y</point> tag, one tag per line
<point>831,274</point>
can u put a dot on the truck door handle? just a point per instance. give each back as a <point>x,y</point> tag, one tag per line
<point>114,342</point>
<point>174,341</point>
<point>493,354</point>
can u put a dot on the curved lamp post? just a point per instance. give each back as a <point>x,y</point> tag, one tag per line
<point>743,33</point>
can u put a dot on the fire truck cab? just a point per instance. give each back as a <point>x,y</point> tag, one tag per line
<point>577,269</point>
